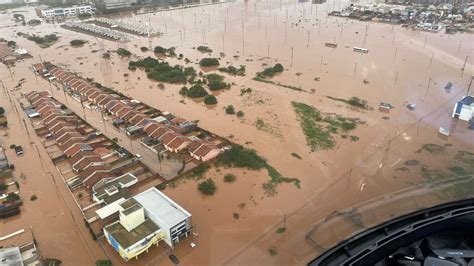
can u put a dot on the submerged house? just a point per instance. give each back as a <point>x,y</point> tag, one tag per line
<point>464,109</point>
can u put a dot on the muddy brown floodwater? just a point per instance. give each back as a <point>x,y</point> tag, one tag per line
<point>402,66</point>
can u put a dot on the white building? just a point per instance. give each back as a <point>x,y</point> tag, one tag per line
<point>167,214</point>
<point>464,109</point>
<point>133,233</point>
<point>64,12</point>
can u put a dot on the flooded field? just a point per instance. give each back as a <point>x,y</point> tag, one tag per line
<point>402,67</point>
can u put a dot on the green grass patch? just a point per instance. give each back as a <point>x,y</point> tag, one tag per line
<point>43,41</point>
<point>272,251</point>
<point>230,178</point>
<point>432,148</point>
<point>353,101</point>
<point>260,79</point>
<point>281,230</point>
<point>319,129</point>
<point>241,157</point>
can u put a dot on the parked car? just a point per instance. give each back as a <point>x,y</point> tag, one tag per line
<point>19,151</point>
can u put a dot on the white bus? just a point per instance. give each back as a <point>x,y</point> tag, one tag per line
<point>361,50</point>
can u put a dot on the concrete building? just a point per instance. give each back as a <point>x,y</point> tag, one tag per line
<point>464,109</point>
<point>114,4</point>
<point>174,221</point>
<point>134,233</point>
<point>24,255</point>
<point>64,11</point>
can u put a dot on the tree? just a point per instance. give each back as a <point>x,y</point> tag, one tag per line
<point>207,187</point>
<point>3,187</point>
<point>196,91</point>
<point>240,114</point>
<point>2,111</point>
<point>77,42</point>
<point>230,110</point>
<point>160,50</point>
<point>209,62</point>
<point>210,99</point>
<point>278,68</point>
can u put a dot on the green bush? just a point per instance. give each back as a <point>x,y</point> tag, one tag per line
<point>2,111</point>
<point>77,42</point>
<point>3,187</point>
<point>52,262</point>
<point>106,55</point>
<point>11,44</point>
<point>144,49</point>
<point>209,62</point>
<point>217,85</point>
<point>103,263</point>
<point>210,99</point>
<point>123,52</point>
<point>233,70</point>
<point>207,187</point>
<point>230,110</point>
<point>204,49</point>
<point>33,198</point>
<point>164,51</point>
<point>271,71</point>
<point>161,186</point>
<point>230,178</point>
<point>160,50</point>
<point>196,91</point>
<point>132,68</point>
<point>240,114</point>
<point>214,77</point>
<point>162,71</point>
<point>273,251</point>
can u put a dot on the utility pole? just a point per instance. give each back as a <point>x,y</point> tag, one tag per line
<point>291,64</point>
<point>431,60</point>
<point>469,87</point>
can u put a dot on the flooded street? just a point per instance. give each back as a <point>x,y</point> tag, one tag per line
<point>402,66</point>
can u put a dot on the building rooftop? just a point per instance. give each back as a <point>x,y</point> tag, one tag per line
<point>161,207</point>
<point>467,100</point>
<point>125,238</point>
<point>11,256</point>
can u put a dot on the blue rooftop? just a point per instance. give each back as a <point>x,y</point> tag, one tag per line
<point>467,100</point>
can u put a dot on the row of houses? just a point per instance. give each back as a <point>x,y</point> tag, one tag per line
<point>131,224</point>
<point>76,146</point>
<point>165,129</point>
